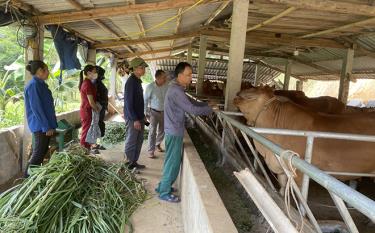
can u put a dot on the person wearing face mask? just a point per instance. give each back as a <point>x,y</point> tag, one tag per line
<point>88,77</point>
<point>40,111</point>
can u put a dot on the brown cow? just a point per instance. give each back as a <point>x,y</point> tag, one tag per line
<point>325,104</point>
<point>263,109</point>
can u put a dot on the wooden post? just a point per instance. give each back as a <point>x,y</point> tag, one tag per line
<point>288,72</point>
<point>33,51</point>
<point>346,72</point>
<point>91,57</point>
<point>112,80</point>
<point>299,85</point>
<point>256,73</point>
<point>190,54</point>
<point>236,52</point>
<point>201,64</point>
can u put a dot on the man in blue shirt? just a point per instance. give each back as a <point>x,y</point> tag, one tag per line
<point>176,104</point>
<point>134,113</point>
<point>154,111</point>
<point>40,111</point>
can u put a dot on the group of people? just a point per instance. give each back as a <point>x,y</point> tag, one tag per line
<point>41,115</point>
<point>163,106</point>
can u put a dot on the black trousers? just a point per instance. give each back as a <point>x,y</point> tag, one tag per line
<point>40,148</point>
<point>101,122</point>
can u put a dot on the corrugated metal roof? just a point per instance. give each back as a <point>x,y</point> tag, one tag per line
<point>152,19</point>
<point>296,23</point>
<point>218,69</point>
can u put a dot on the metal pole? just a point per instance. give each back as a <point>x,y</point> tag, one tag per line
<point>306,207</point>
<point>270,210</point>
<point>344,213</point>
<point>255,153</point>
<point>241,147</point>
<point>350,174</point>
<point>222,143</point>
<point>315,134</point>
<point>362,203</point>
<point>308,158</point>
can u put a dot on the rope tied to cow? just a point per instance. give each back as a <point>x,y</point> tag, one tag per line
<point>291,173</point>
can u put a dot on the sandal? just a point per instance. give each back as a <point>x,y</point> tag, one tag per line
<point>173,190</point>
<point>99,147</point>
<point>170,198</point>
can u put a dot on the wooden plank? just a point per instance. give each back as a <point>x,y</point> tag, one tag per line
<point>114,44</point>
<point>106,12</point>
<point>177,29</point>
<point>142,29</point>
<point>271,20</point>
<point>346,72</point>
<point>216,12</point>
<point>78,6</point>
<point>161,58</point>
<point>331,6</point>
<point>155,51</point>
<point>340,28</point>
<point>270,38</point>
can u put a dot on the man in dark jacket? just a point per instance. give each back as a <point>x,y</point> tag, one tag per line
<point>134,113</point>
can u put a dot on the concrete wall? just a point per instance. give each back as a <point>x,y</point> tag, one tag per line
<point>10,151</point>
<point>11,147</point>
<point>202,208</point>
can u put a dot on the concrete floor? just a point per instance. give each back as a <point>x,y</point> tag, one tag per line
<point>154,215</point>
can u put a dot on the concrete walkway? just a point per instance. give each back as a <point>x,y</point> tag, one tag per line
<point>154,215</point>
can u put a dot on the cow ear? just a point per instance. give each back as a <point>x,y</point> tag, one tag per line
<point>282,99</point>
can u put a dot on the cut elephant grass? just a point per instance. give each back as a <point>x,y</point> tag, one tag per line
<point>115,133</point>
<point>72,193</point>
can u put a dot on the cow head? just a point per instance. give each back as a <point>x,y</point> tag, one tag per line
<point>251,102</point>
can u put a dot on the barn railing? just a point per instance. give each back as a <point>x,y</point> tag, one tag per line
<point>338,190</point>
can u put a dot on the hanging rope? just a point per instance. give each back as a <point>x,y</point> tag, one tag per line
<point>290,172</point>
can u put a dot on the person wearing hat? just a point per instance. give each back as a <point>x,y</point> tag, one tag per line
<point>134,113</point>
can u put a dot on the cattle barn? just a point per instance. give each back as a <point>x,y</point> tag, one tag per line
<point>311,176</point>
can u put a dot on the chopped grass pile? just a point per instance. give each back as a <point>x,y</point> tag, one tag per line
<point>72,193</point>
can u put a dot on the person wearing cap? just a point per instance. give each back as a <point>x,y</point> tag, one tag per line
<point>176,104</point>
<point>134,113</point>
<point>154,110</point>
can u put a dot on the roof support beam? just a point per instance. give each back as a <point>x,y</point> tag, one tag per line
<point>346,73</point>
<point>272,19</point>
<point>106,12</point>
<point>169,49</point>
<point>216,12</point>
<point>160,58</point>
<point>236,52</point>
<point>341,28</point>
<point>178,22</point>
<point>143,31</point>
<point>288,72</point>
<point>115,44</point>
<point>331,6</point>
<point>315,66</point>
<point>79,7</point>
<point>270,38</point>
